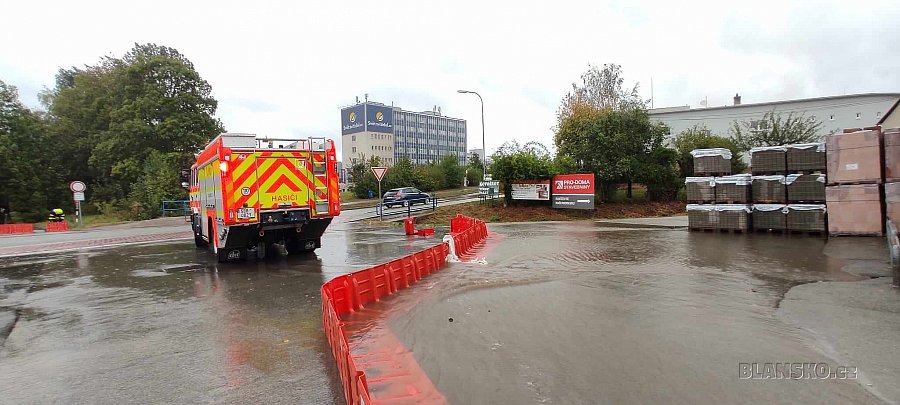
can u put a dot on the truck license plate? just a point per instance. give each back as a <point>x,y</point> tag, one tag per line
<point>246,213</point>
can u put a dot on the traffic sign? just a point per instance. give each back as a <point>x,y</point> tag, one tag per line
<point>79,196</point>
<point>379,172</point>
<point>77,186</point>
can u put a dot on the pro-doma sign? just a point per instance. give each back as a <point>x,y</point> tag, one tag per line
<point>573,191</point>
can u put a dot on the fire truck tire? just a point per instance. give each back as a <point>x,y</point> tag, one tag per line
<point>297,246</point>
<point>198,240</point>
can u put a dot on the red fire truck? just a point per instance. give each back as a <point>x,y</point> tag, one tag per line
<point>248,195</point>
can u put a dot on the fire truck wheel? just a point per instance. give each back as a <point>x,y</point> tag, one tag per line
<point>198,240</point>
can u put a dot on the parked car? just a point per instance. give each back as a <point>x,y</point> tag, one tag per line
<point>405,196</point>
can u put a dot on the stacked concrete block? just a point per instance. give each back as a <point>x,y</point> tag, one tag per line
<point>734,189</point>
<point>768,160</point>
<point>700,189</point>
<point>711,162</point>
<point>855,174</point>
<point>805,188</point>
<point>892,174</point>
<point>769,217</point>
<point>769,189</point>
<point>806,158</point>
<point>806,217</point>
<point>702,216</point>
<point>733,217</point>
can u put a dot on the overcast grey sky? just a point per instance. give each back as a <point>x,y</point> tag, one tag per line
<point>286,68</point>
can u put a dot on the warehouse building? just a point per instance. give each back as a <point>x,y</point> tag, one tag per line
<point>834,112</point>
<point>392,133</point>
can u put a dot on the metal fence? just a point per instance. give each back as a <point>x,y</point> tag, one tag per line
<point>176,208</point>
<point>409,207</point>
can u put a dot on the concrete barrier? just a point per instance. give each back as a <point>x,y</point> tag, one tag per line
<point>351,292</point>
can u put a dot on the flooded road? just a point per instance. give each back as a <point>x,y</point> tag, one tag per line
<point>164,323</point>
<point>576,313</point>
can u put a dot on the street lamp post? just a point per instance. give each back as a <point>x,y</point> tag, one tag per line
<point>483,147</point>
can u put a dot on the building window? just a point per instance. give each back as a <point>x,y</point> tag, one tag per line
<point>878,114</point>
<point>831,117</point>
<point>857,115</point>
<point>354,149</point>
<point>758,125</point>
<point>354,138</point>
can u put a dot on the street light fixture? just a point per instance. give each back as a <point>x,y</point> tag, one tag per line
<point>483,147</point>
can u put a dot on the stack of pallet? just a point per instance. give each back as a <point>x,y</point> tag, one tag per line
<point>789,188</point>
<point>855,178</point>
<point>716,199</point>
<point>892,174</point>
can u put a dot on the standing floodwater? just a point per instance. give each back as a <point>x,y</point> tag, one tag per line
<point>575,313</point>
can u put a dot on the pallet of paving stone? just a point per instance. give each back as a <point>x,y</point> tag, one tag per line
<point>768,189</point>
<point>769,217</point>
<point>711,162</point>
<point>735,189</point>
<point>805,188</point>
<point>768,160</point>
<point>806,157</point>
<point>700,189</point>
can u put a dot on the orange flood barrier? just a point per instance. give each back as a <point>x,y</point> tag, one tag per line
<point>8,229</point>
<point>57,226</point>
<point>351,292</point>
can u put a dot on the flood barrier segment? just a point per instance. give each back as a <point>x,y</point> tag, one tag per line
<point>57,226</point>
<point>351,292</point>
<point>10,229</point>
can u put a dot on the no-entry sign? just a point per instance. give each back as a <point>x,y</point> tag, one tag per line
<point>573,191</point>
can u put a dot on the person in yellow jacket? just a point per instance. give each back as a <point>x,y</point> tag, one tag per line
<point>57,215</point>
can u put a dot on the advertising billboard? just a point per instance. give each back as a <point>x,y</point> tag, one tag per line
<point>352,120</point>
<point>379,119</point>
<point>538,190</point>
<point>573,191</point>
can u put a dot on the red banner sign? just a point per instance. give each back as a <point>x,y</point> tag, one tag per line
<point>573,184</point>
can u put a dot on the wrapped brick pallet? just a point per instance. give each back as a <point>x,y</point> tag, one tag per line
<point>702,216</point>
<point>715,161</point>
<point>892,201</point>
<point>768,160</point>
<point>854,209</point>
<point>892,154</point>
<point>700,189</point>
<point>806,157</point>
<point>733,189</point>
<point>733,217</point>
<point>806,217</point>
<point>769,216</point>
<point>769,189</point>
<point>854,157</point>
<point>808,188</point>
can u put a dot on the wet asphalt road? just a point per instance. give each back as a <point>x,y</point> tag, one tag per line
<point>564,313</point>
<point>164,323</point>
<point>577,313</point>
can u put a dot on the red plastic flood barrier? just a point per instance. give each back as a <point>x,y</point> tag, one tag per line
<point>466,233</point>
<point>9,229</point>
<point>57,226</point>
<point>351,292</point>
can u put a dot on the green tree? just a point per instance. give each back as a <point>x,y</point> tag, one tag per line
<point>112,117</point>
<point>600,88</point>
<point>776,129</point>
<point>474,169</point>
<point>29,180</point>
<point>615,145</point>
<point>451,171</point>
<point>362,177</point>
<point>699,137</point>
<point>514,162</point>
